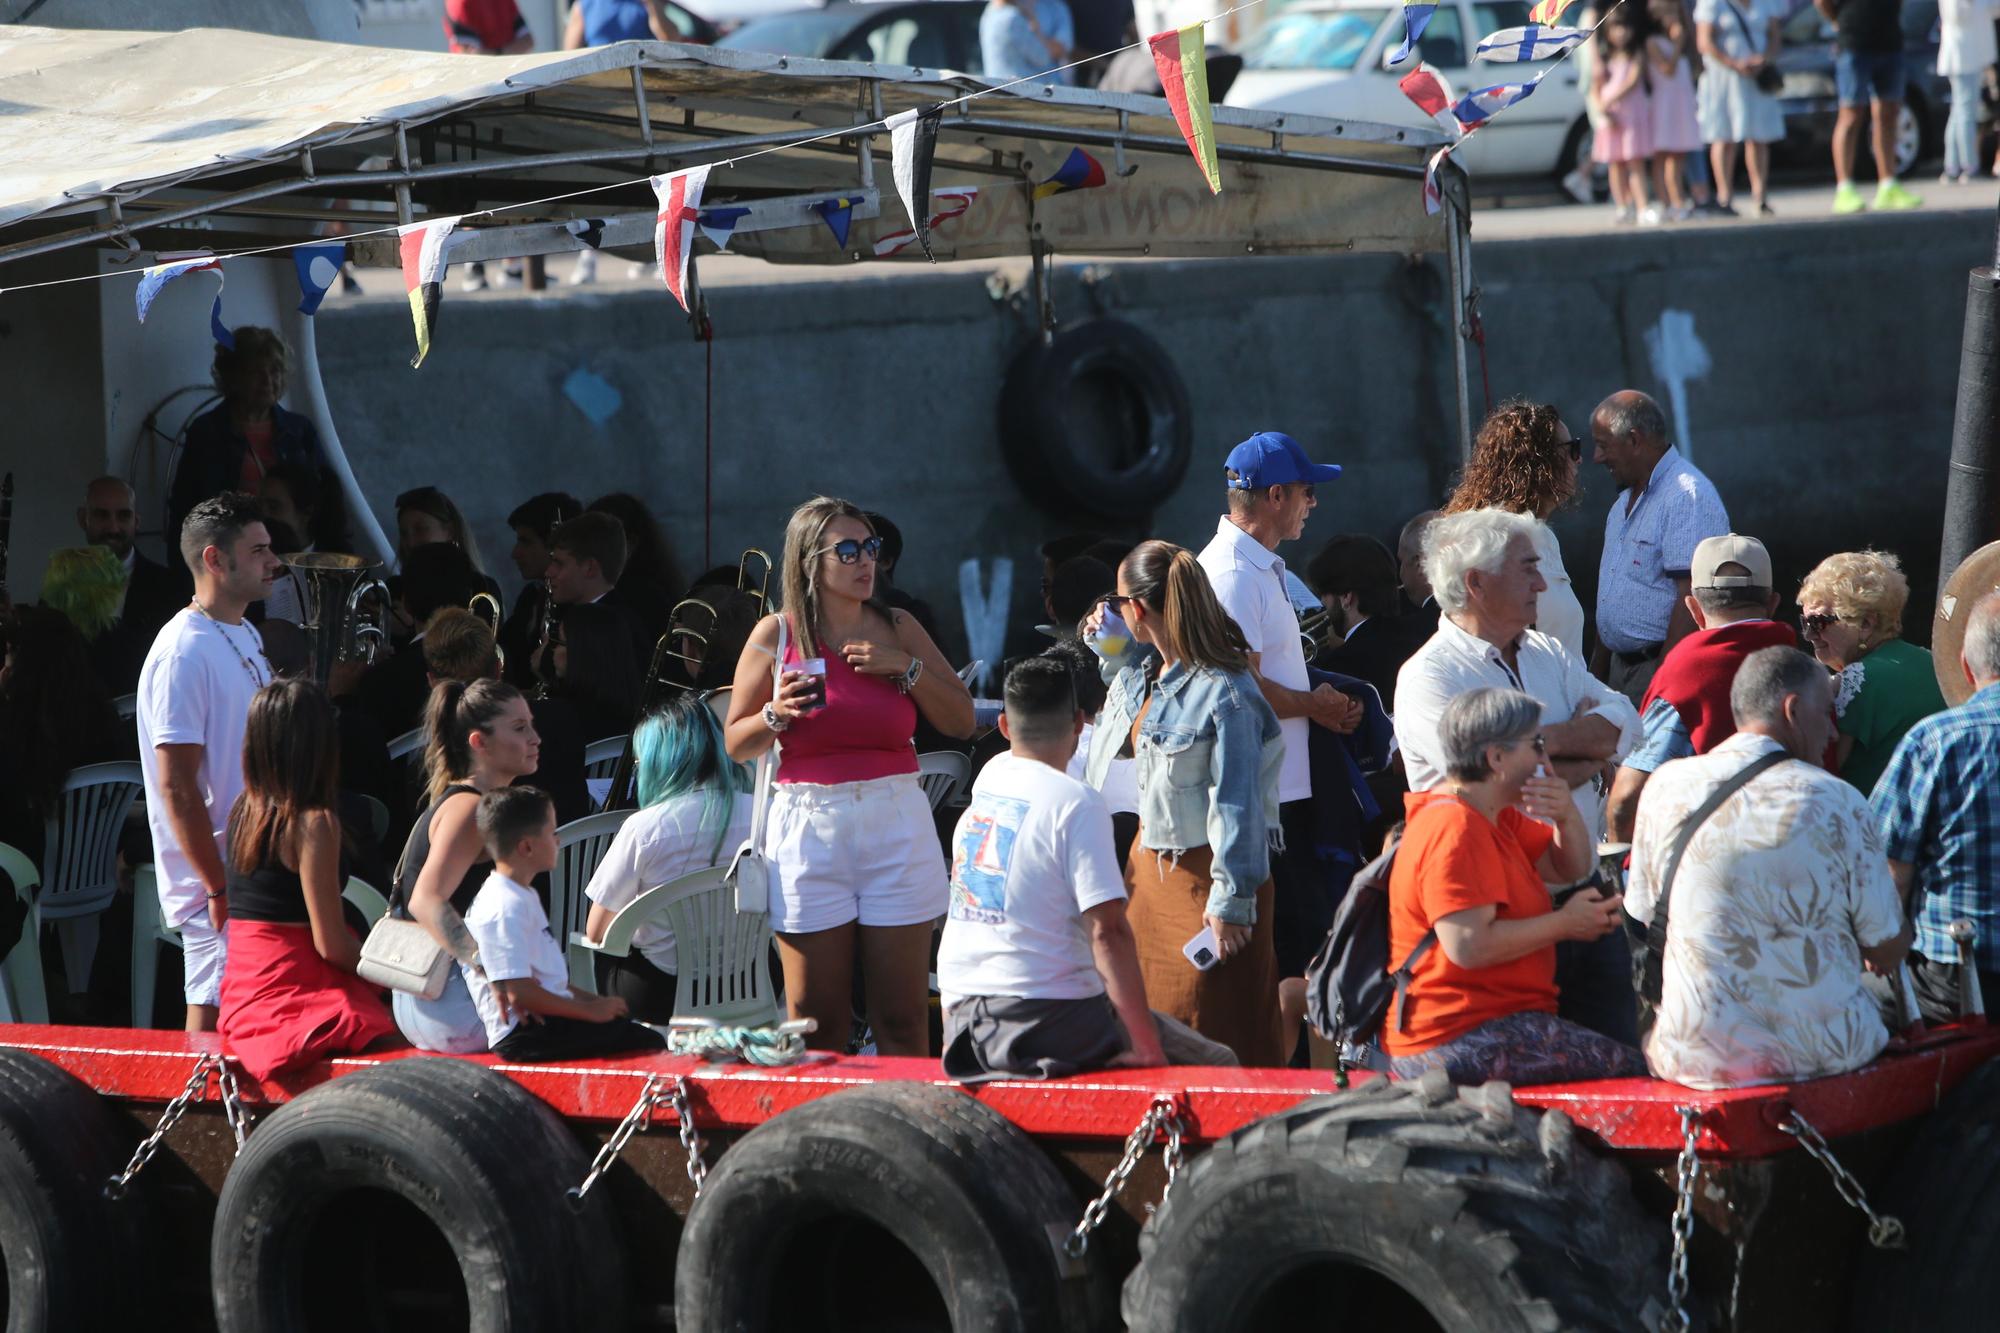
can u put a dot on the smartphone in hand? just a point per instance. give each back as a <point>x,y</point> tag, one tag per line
<point>1203,950</point>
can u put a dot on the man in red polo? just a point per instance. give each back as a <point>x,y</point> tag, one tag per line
<point>1685,710</point>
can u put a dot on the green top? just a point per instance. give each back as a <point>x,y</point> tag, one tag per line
<point>1879,698</point>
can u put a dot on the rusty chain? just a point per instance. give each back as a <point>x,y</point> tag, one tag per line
<point>1163,1116</point>
<point>192,1092</point>
<point>652,1096</point>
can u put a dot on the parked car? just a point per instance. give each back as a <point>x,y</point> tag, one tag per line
<point>1811,102</point>
<point>1326,58</point>
<point>930,34</point>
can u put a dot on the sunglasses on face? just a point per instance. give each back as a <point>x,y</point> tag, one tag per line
<point>1817,624</point>
<point>851,550</point>
<point>1111,601</point>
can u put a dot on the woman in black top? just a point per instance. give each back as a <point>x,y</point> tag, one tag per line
<point>481,736</point>
<point>289,993</point>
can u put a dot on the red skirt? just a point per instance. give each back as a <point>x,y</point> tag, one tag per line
<point>284,1006</point>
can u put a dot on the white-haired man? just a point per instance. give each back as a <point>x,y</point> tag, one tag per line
<point>1484,570</point>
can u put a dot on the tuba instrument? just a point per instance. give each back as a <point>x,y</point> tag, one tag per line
<point>337,628</point>
<point>762,592</point>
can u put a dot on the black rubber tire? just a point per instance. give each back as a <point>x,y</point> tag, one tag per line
<point>968,1195</point>
<point>486,1162</point>
<point>1942,1191</point>
<point>1122,461</point>
<point>1482,1216</point>
<point>73,1258</point>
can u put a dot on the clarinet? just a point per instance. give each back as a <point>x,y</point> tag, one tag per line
<point>6,532</point>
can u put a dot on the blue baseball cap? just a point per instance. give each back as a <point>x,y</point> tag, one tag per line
<point>1273,458</point>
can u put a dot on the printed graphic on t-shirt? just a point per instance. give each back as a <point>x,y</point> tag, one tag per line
<point>980,857</point>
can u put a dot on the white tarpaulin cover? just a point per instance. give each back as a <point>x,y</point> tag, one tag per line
<point>210,125</point>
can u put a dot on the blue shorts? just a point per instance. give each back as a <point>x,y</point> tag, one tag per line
<point>1862,76</point>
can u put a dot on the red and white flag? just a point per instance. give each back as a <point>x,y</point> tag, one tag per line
<point>422,245</point>
<point>679,193</point>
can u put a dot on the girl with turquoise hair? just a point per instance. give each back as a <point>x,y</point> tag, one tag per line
<point>694,812</point>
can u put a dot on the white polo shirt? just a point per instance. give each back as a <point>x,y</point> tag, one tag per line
<point>1249,581</point>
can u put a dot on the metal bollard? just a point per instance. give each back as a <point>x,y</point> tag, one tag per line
<point>1971,1000</point>
<point>1910,1018</point>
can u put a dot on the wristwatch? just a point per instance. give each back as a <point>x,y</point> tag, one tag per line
<point>772,720</point>
<point>908,680</point>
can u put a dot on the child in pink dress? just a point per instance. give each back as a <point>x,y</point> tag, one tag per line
<point>1624,88</point>
<point>1676,131</point>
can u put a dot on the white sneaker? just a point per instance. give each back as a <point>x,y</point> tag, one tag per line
<point>585,270</point>
<point>511,277</point>
<point>1651,217</point>
<point>473,281</point>
<point>1625,216</point>
<point>1578,184</point>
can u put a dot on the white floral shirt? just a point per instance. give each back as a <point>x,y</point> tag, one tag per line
<point>1775,898</point>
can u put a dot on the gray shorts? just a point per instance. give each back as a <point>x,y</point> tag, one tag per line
<point>1004,1036</point>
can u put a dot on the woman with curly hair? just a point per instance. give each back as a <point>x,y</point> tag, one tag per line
<point>1851,609</point>
<point>1524,461</point>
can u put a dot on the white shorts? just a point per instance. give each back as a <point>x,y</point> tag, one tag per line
<point>854,851</point>
<point>204,950</point>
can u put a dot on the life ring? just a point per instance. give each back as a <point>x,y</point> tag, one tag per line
<point>1097,420</point>
<point>899,1203</point>
<point>1402,1205</point>
<point>326,1210</point>
<point>1942,1193</point>
<point>60,1236</point>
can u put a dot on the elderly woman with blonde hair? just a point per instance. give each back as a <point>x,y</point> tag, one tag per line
<point>1851,610</point>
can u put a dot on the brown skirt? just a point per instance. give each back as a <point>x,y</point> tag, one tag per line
<point>1235,1002</point>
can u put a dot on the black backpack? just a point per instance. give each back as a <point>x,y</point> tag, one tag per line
<point>1349,987</point>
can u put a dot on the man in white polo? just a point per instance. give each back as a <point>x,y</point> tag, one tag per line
<point>1270,487</point>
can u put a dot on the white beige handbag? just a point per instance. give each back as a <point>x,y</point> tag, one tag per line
<point>750,871</point>
<point>403,956</point>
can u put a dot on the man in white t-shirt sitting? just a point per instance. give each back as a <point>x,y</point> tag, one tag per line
<point>1037,966</point>
<point>204,668</point>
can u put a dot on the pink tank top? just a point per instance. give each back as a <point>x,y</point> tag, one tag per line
<point>864,732</point>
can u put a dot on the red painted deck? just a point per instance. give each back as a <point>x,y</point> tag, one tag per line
<point>1637,1115</point>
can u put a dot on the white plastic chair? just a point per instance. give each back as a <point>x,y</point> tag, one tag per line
<point>80,862</point>
<point>600,764</point>
<point>942,773</point>
<point>149,932</point>
<point>366,898</point>
<point>24,997</point>
<point>723,968</point>
<point>580,845</point>
<point>127,706</point>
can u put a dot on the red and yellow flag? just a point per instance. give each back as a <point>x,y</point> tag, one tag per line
<point>1181,60</point>
<point>423,254</point>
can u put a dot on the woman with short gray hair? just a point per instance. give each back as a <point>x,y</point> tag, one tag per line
<point>1472,877</point>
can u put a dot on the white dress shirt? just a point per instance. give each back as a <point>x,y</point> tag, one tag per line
<point>1645,549</point>
<point>1249,581</point>
<point>1452,662</point>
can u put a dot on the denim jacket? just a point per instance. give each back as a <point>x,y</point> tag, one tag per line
<point>1208,760</point>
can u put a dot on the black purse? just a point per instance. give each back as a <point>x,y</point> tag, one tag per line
<point>1769,78</point>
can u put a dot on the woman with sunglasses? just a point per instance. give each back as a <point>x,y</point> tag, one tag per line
<point>1525,460</point>
<point>1208,747</point>
<point>856,863</point>
<point>1851,610</point>
<point>1469,903</point>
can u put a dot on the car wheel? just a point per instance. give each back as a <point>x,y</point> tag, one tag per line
<point>1909,138</point>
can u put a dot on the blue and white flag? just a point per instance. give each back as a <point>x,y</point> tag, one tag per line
<point>159,275</point>
<point>319,268</point>
<point>1476,108</point>
<point>719,224</point>
<point>1416,17</point>
<point>1526,45</point>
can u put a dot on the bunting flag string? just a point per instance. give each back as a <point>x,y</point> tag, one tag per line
<point>588,230</point>
<point>679,193</point>
<point>1079,171</point>
<point>157,276</point>
<point>947,204</point>
<point>838,214</point>
<point>1416,17</point>
<point>1477,107</point>
<point>1529,44</point>
<point>1425,87</point>
<point>719,224</point>
<point>1433,194</point>
<point>912,148</point>
<point>1181,58</point>
<point>423,248</point>
<point>318,268</point>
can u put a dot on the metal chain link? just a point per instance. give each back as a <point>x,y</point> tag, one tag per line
<point>1163,1116</point>
<point>1687,1172</point>
<point>652,1096</point>
<point>197,1085</point>
<point>1884,1232</point>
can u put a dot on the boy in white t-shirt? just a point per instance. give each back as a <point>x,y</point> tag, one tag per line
<point>203,669</point>
<point>521,987</point>
<point>1037,966</point>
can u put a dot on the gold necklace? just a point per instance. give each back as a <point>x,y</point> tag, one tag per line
<point>257,681</point>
